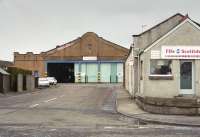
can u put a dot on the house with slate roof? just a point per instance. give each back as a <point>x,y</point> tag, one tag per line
<point>162,70</point>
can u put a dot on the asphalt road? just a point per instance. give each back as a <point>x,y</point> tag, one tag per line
<point>75,110</point>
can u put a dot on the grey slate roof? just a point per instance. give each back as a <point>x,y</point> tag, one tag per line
<point>3,72</point>
<point>5,63</point>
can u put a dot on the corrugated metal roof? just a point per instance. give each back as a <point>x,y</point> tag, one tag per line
<point>3,72</point>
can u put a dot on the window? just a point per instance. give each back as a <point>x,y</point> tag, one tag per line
<point>160,67</point>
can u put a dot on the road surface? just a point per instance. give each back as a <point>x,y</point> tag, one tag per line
<point>75,110</point>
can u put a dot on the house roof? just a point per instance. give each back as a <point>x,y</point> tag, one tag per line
<point>180,21</point>
<point>5,63</point>
<point>177,14</point>
<point>187,19</point>
<point>3,72</point>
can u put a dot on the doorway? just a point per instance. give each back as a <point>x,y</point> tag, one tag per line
<point>63,72</point>
<point>113,75</point>
<point>105,69</point>
<point>92,71</point>
<point>186,77</point>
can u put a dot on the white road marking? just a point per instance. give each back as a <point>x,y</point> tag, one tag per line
<point>121,127</point>
<point>142,127</point>
<point>52,130</point>
<point>50,100</point>
<point>35,105</point>
<point>108,127</point>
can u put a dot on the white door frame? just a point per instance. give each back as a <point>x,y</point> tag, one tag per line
<point>187,91</point>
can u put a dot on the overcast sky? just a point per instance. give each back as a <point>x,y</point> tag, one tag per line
<point>39,25</point>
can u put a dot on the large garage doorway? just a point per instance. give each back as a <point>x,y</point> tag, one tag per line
<point>63,72</point>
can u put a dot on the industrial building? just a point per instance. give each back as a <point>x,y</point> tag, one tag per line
<point>87,59</point>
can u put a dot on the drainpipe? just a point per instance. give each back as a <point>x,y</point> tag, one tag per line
<point>138,72</point>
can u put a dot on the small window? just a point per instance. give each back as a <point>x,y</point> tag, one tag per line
<point>89,46</point>
<point>160,67</point>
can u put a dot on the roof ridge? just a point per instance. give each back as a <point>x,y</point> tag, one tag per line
<point>59,46</point>
<point>182,20</point>
<point>186,19</point>
<point>159,24</point>
<point>62,45</point>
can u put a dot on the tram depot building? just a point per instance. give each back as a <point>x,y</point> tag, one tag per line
<point>87,59</point>
<point>162,71</point>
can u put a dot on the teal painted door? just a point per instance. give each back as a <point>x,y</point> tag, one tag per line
<point>92,71</point>
<point>186,77</point>
<point>83,73</point>
<point>120,72</point>
<point>113,76</point>
<point>105,69</point>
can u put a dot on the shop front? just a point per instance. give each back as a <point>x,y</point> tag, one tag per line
<point>188,57</point>
<point>168,70</point>
<point>171,81</point>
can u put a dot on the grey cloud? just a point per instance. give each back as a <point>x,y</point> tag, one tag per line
<point>38,25</point>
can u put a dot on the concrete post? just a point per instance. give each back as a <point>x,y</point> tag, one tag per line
<point>32,83</point>
<point>19,83</point>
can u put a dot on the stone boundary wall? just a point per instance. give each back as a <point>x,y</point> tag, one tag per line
<point>170,106</point>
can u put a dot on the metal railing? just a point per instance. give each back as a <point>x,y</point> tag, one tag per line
<point>87,79</point>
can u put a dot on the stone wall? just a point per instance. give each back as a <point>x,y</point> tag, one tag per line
<point>169,106</point>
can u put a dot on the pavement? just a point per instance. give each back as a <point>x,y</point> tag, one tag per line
<point>128,107</point>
